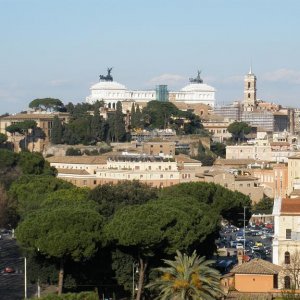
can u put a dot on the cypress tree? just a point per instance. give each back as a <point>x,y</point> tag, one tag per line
<point>138,117</point>
<point>57,131</point>
<point>119,124</point>
<point>132,116</point>
<point>96,126</point>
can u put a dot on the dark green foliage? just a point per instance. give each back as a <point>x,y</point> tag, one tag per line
<point>205,156</point>
<point>157,114</point>
<point>239,130</point>
<point>34,163</point>
<point>21,127</point>
<point>112,197</point>
<point>97,127</point>
<point>8,159</point>
<point>73,152</point>
<point>119,124</point>
<point>29,192</point>
<point>166,115</point>
<point>224,202</point>
<point>72,296</point>
<point>46,104</point>
<point>3,138</point>
<point>219,149</point>
<point>57,131</point>
<point>63,232</point>
<point>265,205</point>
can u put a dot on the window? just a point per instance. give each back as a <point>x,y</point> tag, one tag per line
<point>249,84</point>
<point>249,95</point>
<point>248,184</point>
<point>288,234</point>
<point>287,282</point>
<point>84,182</point>
<point>287,258</point>
<point>95,181</point>
<point>161,176</point>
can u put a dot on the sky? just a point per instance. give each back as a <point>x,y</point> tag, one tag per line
<point>58,48</point>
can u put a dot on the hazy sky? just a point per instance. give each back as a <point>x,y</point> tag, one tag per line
<point>58,48</point>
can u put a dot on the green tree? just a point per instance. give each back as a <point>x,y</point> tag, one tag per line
<point>3,138</point>
<point>132,117</point>
<point>22,128</point>
<point>159,227</point>
<point>119,124</point>
<point>65,233</point>
<point>219,149</point>
<point>29,192</point>
<point>34,163</point>
<point>265,205</point>
<point>57,131</point>
<point>46,104</point>
<point>187,278</point>
<point>158,114</point>
<point>238,130</point>
<point>73,152</point>
<point>97,127</point>
<point>113,197</point>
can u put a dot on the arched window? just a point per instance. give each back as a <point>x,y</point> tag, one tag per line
<point>287,282</point>
<point>287,257</point>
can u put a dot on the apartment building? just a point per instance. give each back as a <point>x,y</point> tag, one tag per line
<point>286,241</point>
<point>248,185</point>
<point>293,173</point>
<point>218,129</point>
<point>273,179</point>
<point>44,121</point>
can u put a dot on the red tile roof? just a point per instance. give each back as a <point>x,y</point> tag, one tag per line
<point>290,206</point>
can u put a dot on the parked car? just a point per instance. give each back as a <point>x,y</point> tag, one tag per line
<point>259,244</point>
<point>239,246</point>
<point>9,270</point>
<point>255,248</point>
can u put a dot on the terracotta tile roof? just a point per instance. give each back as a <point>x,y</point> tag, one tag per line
<point>73,171</point>
<point>280,144</point>
<point>186,159</point>
<point>257,266</point>
<point>297,156</point>
<point>290,206</point>
<point>88,160</point>
<point>245,178</point>
<point>222,161</point>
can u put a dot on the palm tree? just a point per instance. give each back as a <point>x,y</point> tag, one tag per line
<point>187,278</point>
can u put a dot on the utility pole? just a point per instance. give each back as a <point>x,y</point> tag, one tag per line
<point>244,230</point>
<point>25,278</point>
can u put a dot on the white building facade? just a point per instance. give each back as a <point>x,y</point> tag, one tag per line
<point>111,92</point>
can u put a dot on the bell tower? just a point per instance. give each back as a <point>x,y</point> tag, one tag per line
<point>249,91</point>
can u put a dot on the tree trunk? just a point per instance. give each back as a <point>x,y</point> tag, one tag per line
<point>61,277</point>
<point>142,269</point>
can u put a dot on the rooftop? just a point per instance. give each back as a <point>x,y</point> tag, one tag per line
<point>223,161</point>
<point>89,160</point>
<point>290,206</point>
<point>73,171</point>
<point>257,266</point>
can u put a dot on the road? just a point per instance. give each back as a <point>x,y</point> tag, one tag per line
<point>12,284</point>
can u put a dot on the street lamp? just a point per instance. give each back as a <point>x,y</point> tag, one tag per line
<point>25,278</point>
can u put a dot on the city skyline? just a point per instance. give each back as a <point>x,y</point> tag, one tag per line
<point>58,48</point>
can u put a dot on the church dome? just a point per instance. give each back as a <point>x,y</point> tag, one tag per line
<point>198,87</point>
<point>108,85</point>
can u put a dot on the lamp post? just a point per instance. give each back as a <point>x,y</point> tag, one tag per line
<point>25,278</point>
